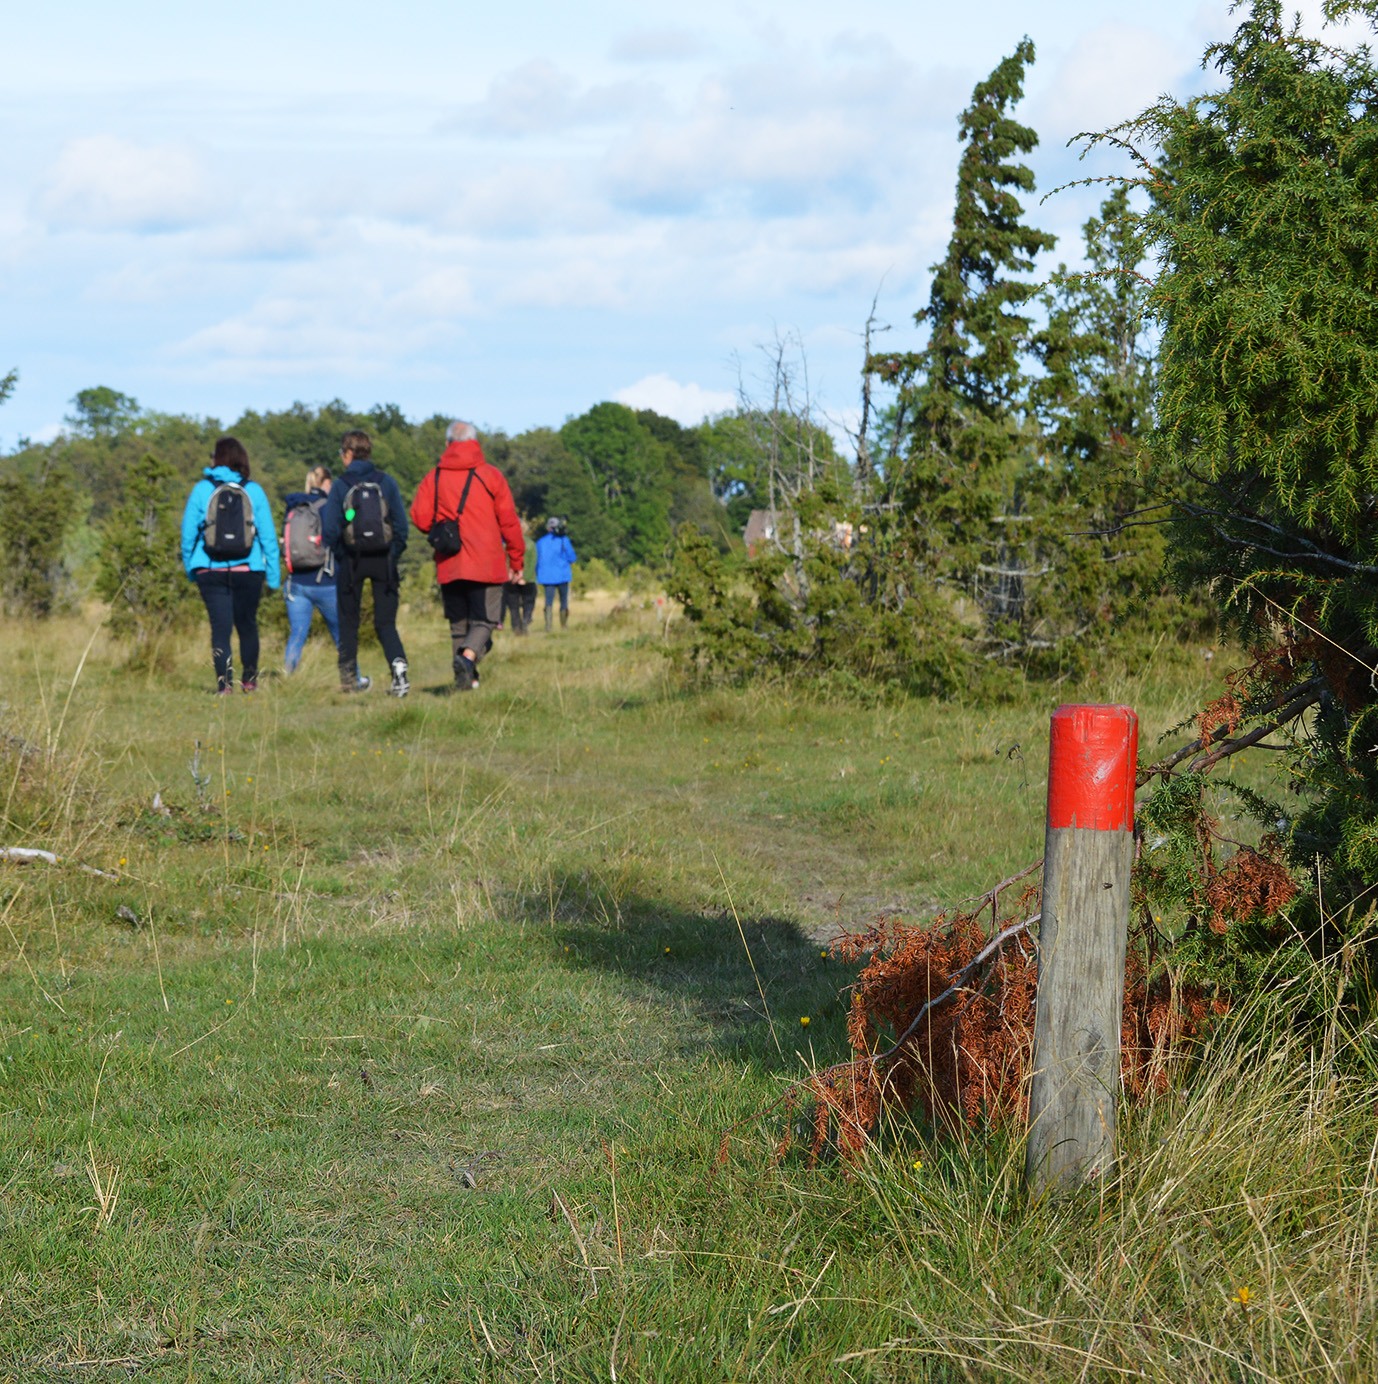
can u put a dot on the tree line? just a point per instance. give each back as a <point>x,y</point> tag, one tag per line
<point>623,478</point>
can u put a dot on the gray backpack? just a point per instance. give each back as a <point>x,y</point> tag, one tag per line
<point>301,538</point>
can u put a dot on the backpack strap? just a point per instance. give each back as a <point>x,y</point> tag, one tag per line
<point>463,495</point>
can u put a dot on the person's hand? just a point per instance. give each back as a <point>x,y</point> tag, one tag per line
<point>516,577</point>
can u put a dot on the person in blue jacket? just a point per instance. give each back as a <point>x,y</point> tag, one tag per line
<point>231,586</point>
<point>555,559</point>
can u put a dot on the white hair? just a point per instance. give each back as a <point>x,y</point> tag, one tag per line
<point>460,431</point>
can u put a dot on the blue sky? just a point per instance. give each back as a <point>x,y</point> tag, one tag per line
<point>509,212</point>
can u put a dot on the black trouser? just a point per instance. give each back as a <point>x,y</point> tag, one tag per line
<point>232,603</point>
<point>519,602</point>
<point>350,575</point>
<point>473,609</point>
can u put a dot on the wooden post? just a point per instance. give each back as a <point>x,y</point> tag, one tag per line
<point>1082,936</point>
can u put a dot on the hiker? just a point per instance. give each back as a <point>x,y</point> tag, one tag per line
<point>519,603</point>
<point>465,509</point>
<point>519,597</point>
<point>229,547</point>
<point>310,584</point>
<point>555,559</point>
<point>364,524</point>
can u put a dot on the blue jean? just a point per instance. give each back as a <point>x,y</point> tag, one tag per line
<point>302,598</point>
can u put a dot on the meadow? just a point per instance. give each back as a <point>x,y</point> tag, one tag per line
<point>398,1041</point>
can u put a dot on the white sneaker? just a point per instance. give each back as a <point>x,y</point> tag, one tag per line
<point>400,686</point>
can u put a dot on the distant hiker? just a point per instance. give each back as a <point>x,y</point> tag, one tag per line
<point>229,546</point>
<point>465,509</point>
<point>519,597</point>
<point>519,604</point>
<point>555,559</point>
<point>364,524</point>
<point>310,584</point>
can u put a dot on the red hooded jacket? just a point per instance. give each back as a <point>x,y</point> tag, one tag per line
<point>488,525</point>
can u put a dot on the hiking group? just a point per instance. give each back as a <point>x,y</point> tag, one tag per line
<point>343,532</point>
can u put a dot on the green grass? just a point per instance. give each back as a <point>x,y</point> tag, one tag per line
<point>417,1061</point>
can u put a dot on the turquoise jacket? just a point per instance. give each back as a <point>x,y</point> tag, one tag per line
<point>263,556</point>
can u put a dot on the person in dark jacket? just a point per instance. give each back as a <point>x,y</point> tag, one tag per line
<point>310,584</point>
<point>465,488</point>
<point>519,598</point>
<point>555,559</point>
<point>360,558</point>
<point>231,587</point>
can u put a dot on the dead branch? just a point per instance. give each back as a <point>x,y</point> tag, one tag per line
<point>1288,706</point>
<point>877,1059</point>
<point>25,855</point>
<point>958,982</point>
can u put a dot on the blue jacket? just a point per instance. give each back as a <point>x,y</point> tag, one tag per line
<point>263,556</point>
<point>332,516</point>
<point>555,559</point>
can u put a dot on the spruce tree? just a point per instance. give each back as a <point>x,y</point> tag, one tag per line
<point>962,393</point>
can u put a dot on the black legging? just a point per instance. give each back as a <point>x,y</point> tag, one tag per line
<point>350,575</point>
<point>232,603</point>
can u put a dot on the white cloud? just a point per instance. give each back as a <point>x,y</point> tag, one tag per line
<point>1350,34</point>
<point>444,292</point>
<point>783,136</point>
<point>539,98</point>
<point>688,404</point>
<point>659,45</point>
<point>1109,75</point>
<point>102,182</point>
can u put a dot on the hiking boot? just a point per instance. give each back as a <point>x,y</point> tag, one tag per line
<point>352,680</point>
<point>249,685</point>
<point>465,675</point>
<point>400,686</point>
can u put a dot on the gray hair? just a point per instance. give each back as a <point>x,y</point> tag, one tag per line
<point>460,431</point>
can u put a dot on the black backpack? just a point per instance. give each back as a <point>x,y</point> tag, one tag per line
<point>228,531</point>
<point>368,525</point>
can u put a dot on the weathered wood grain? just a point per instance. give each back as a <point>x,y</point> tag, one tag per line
<point>1076,1078</point>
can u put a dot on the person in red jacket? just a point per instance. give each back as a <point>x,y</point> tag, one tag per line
<point>472,566</point>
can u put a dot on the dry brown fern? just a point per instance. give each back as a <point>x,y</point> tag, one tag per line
<point>957,1009</point>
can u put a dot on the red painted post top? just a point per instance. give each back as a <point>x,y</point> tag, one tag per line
<point>1091,766</point>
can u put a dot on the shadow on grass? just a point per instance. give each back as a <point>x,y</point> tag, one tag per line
<point>751,984</point>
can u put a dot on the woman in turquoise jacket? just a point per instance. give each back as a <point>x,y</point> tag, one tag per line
<point>229,550</point>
